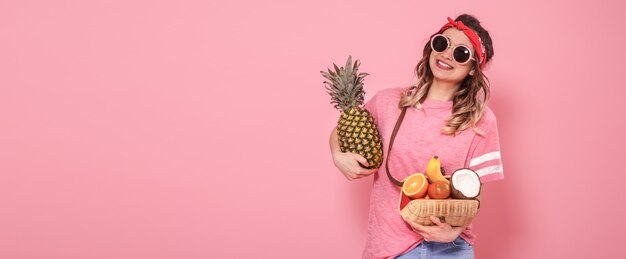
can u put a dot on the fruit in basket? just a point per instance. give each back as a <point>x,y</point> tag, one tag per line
<point>439,190</point>
<point>356,128</point>
<point>465,184</point>
<point>415,186</point>
<point>434,171</point>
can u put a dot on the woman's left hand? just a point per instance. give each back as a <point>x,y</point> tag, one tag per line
<point>440,232</point>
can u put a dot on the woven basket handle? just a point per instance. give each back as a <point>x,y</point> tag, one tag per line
<point>393,136</point>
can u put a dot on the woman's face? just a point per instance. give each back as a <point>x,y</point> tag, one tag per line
<point>450,70</point>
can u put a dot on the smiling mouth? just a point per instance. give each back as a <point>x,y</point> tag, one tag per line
<point>443,65</point>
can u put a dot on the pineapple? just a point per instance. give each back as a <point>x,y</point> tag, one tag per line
<point>356,128</point>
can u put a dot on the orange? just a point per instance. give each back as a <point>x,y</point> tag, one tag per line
<point>415,186</point>
<point>439,190</point>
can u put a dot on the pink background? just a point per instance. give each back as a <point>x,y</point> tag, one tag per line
<point>187,129</point>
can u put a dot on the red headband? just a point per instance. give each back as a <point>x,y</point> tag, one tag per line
<point>476,41</point>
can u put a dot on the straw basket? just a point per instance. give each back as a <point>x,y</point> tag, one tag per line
<point>452,211</point>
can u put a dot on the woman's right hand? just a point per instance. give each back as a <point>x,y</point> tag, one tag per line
<point>348,164</point>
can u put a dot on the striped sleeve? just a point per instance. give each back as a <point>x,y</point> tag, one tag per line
<point>484,156</point>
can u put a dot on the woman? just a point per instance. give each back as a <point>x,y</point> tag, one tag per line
<point>447,117</point>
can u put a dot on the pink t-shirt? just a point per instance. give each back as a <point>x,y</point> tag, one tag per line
<point>419,139</point>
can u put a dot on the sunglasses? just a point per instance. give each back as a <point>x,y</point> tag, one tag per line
<point>440,43</point>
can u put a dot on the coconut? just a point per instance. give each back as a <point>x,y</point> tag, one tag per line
<point>464,184</point>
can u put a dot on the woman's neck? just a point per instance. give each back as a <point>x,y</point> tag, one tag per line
<point>442,91</point>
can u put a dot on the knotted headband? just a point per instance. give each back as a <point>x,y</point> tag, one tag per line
<point>476,41</point>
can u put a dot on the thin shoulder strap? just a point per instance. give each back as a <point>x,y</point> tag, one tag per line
<point>393,136</point>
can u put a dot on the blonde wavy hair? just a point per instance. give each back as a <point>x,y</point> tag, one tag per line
<point>469,101</point>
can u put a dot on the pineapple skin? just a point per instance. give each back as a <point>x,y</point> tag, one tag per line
<point>358,134</point>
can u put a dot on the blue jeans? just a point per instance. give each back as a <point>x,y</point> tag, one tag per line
<point>458,248</point>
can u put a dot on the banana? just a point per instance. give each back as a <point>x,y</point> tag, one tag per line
<point>434,171</point>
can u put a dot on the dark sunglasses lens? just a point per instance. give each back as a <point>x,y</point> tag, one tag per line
<point>440,43</point>
<point>461,54</point>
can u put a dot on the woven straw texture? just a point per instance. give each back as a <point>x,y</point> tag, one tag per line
<point>454,212</point>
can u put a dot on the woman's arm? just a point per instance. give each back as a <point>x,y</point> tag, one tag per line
<point>441,231</point>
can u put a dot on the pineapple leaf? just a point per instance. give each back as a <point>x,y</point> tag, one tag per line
<point>337,69</point>
<point>345,85</point>
<point>349,65</point>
